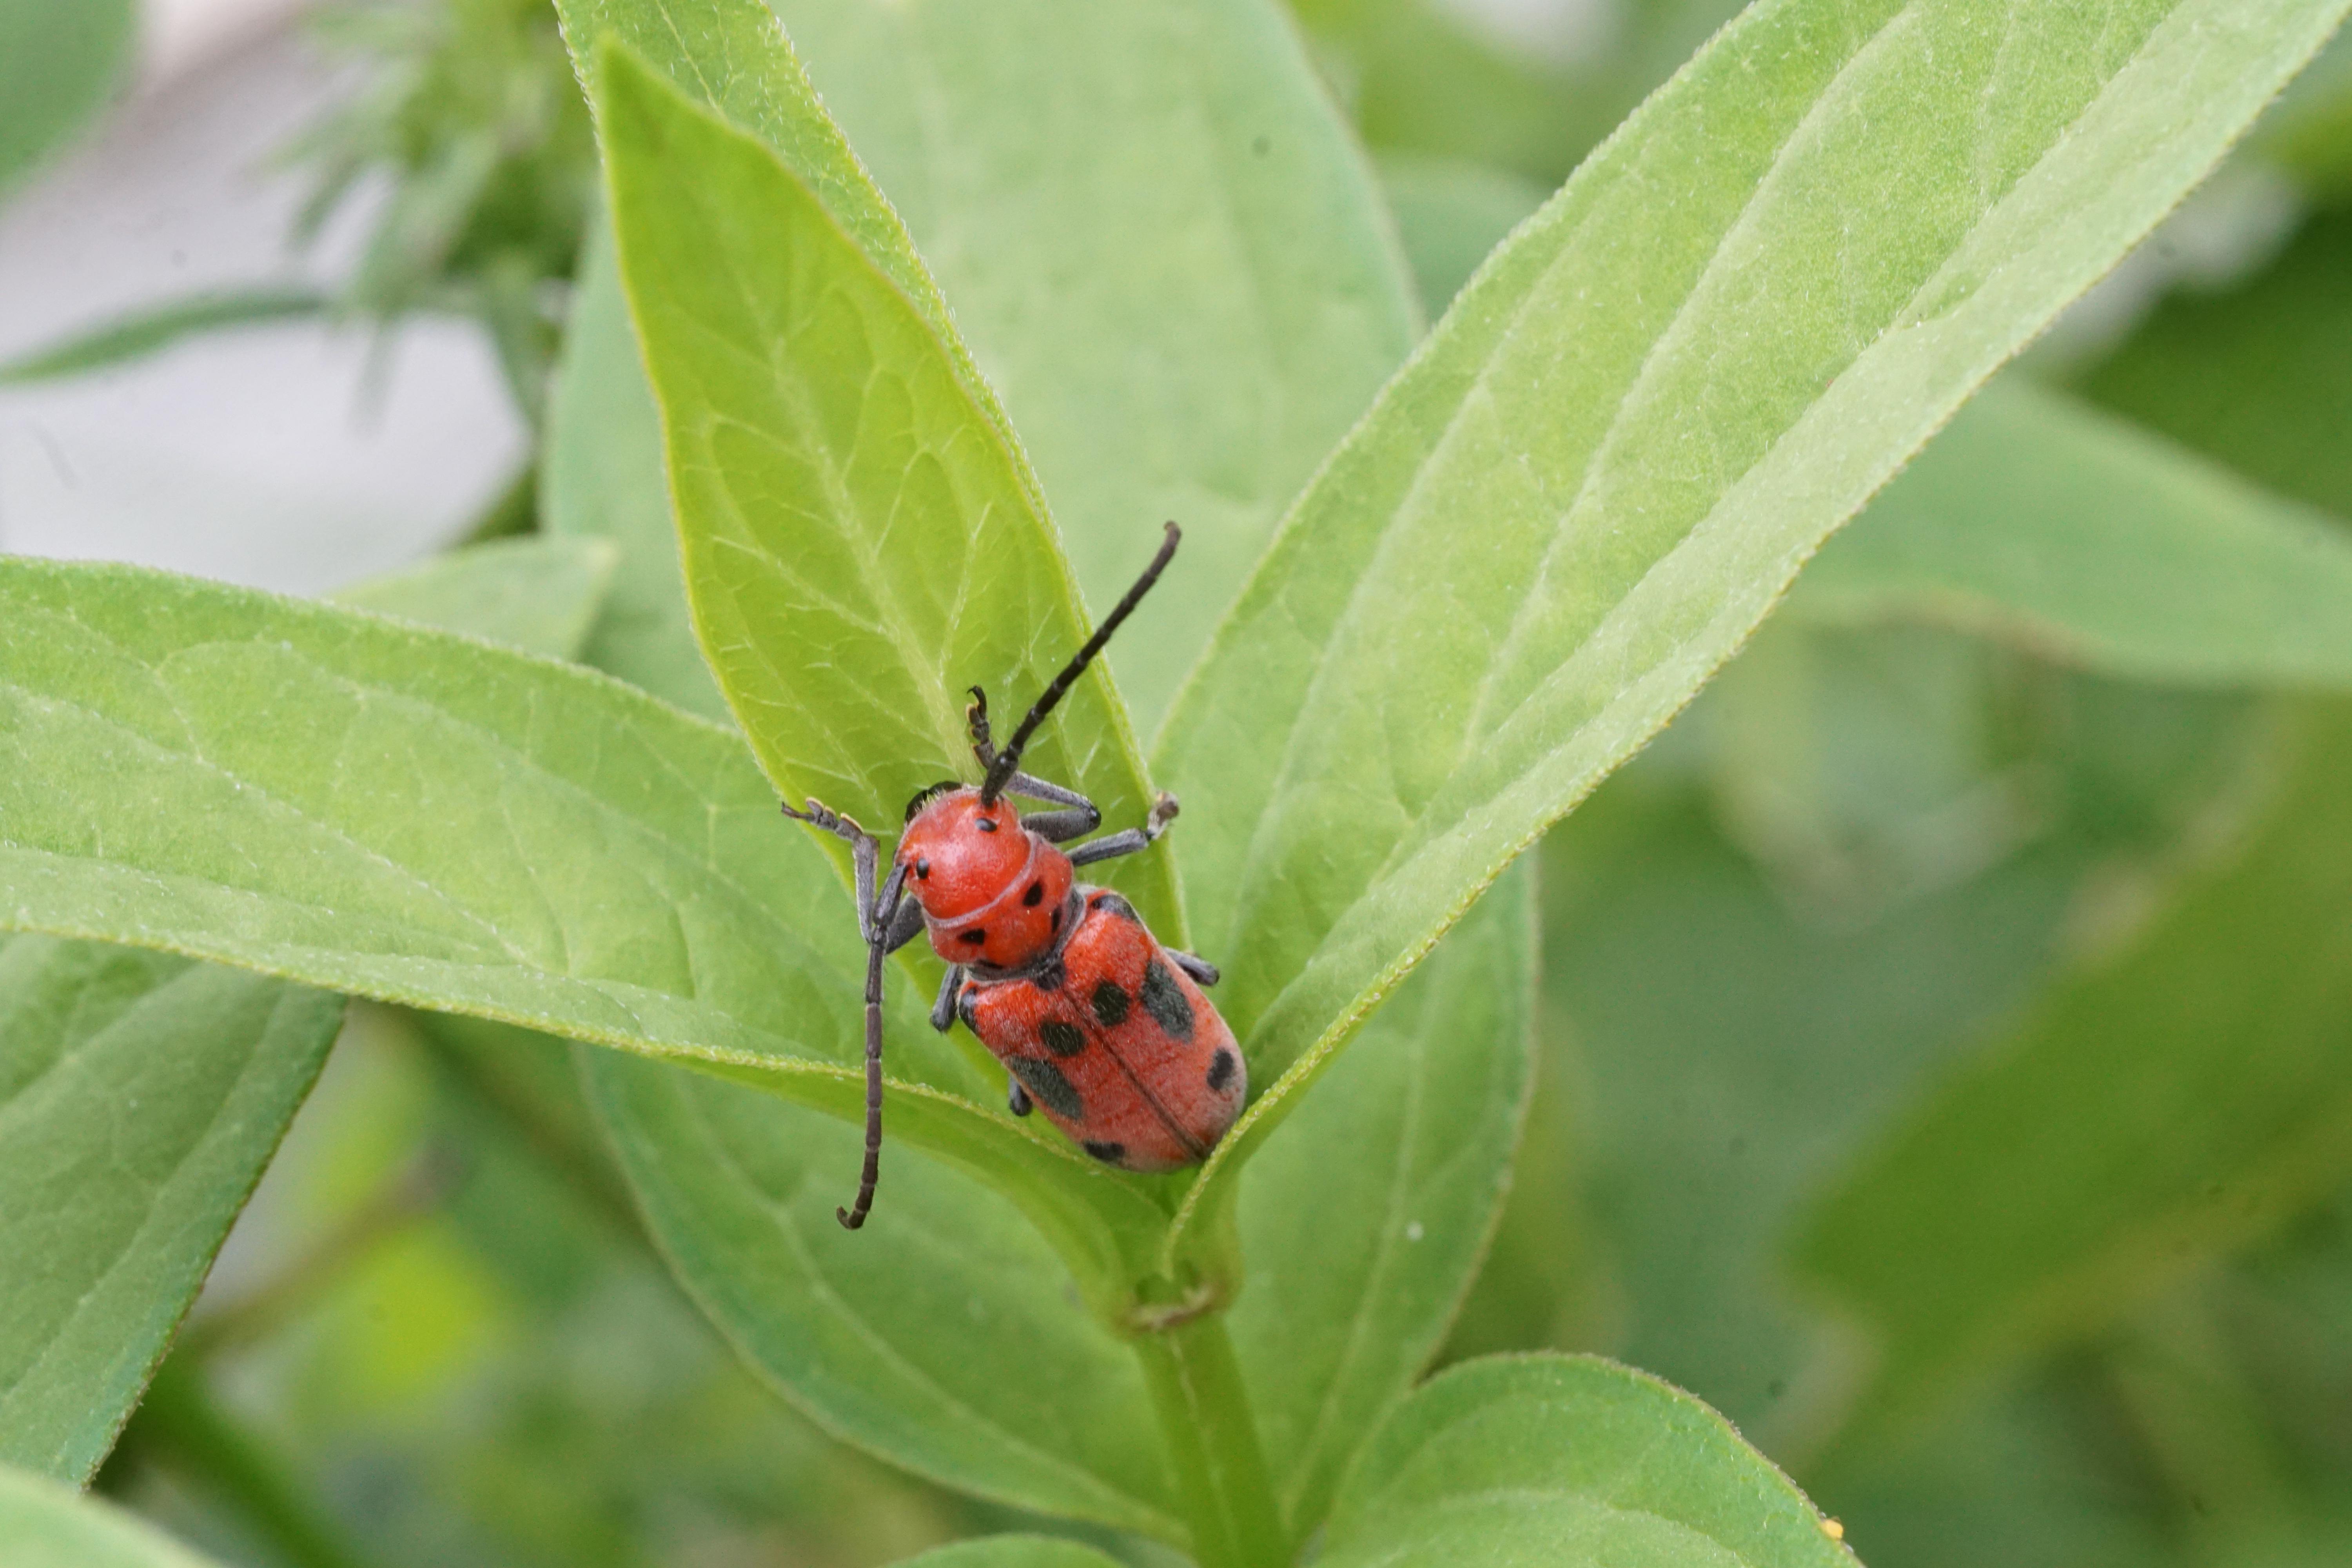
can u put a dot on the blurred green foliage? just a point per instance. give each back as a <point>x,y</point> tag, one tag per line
<point>469,114</point>
<point>58,64</point>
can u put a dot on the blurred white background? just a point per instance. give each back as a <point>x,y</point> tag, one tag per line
<point>293,457</point>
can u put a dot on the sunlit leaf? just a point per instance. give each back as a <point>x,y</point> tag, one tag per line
<point>1548,1458</point>
<point>1163,248</point>
<point>861,538</point>
<point>2031,518</point>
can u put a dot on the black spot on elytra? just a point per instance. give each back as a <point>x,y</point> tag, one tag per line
<point>975,936</point>
<point>1164,1000</point>
<point>1062,1039</point>
<point>1221,1070</point>
<point>1047,1085</point>
<point>1033,897</point>
<point>1112,904</point>
<point>1110,1004</point>
<point>1107,1153</point>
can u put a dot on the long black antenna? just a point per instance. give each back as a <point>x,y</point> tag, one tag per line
<point>1008,761</point>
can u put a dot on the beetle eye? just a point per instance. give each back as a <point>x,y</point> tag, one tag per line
<point>922,868</point>
<point>985,823</point>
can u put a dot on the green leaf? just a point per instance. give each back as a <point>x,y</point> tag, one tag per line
<point>1011,1552</point>
<point>158,327</point>
<point>1547,1458</point>
<point>1613,454</point>
<point>438,822</point>
<point>2032,518</point>
<point>1364,1221</point>
<point>2170,1100</point>
<point>601,477</point>
<point>140,1097</point>
<point>861,536</point>
<point>876,1341</point>
<point>538,595</point>
<point>58,64</point>
<point>2037,519</point>
<point>50,1526</point>
<point>1162,246</point>
<point>1224,299</point>
<point>943,1336</point>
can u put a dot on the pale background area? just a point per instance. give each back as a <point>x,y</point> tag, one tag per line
<point>293,457</point>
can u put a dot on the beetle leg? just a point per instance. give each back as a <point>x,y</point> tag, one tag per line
<point>976,718</point>
<point>875,921</point>
<point>1016,1099</point>
<point>906,920</point>
<point>1082,817</point>
<point>1202,971</point>
<point>944,1011</point>
<point>1127,841</point>
<point>863,853</point>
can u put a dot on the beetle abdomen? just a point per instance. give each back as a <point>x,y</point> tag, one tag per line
<point>1125,1054</point>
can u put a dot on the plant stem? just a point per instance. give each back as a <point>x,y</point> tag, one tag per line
<point>1204,1418</point>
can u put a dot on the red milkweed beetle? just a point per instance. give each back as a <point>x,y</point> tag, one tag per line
<point>1093,1019</point>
